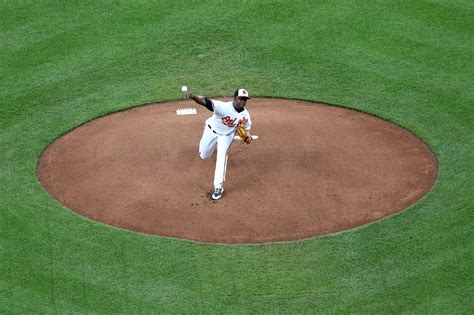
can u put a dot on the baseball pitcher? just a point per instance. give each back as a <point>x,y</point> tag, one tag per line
<point>228,119</point>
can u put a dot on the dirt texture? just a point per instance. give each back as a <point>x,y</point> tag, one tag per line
<point>315,170</point>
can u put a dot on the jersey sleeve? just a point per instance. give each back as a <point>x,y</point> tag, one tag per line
<point>209,104</point>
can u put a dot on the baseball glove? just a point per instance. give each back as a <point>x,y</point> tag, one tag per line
<point>244,134</point>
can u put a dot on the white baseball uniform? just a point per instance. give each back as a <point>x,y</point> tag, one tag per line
<point>219,131</point>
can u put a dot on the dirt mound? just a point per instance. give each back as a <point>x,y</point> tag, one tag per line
<point>314,170</point>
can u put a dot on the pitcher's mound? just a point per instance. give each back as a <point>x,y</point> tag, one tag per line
<point>314,170</point>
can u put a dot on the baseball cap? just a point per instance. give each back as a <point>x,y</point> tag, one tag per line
<point>241,93</point>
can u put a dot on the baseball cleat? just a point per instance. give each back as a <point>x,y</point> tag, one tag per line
<point>217,194</point>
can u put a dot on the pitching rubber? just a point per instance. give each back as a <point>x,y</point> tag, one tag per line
<point>238,138</point>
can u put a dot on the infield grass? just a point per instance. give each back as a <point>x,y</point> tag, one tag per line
<point>63,63</point>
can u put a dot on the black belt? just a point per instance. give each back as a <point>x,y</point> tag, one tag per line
<point>212,129</point>
<point>220,134</point>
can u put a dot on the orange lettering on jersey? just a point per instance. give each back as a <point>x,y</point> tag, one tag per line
<point>228,121</point>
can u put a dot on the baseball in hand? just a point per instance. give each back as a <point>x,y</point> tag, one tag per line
<point>184,88</point>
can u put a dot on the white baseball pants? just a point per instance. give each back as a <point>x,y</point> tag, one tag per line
<point>209,141</point>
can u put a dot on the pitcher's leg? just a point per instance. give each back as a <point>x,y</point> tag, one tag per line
<point>223,145</point>
<point>208,143</point>
<point>219,173</point>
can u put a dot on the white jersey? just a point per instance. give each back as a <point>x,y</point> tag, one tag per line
<point>226,119</point>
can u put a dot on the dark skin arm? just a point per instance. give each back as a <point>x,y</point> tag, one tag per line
<point>197,98</point>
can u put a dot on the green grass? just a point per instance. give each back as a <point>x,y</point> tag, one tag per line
<point>63,63</point>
